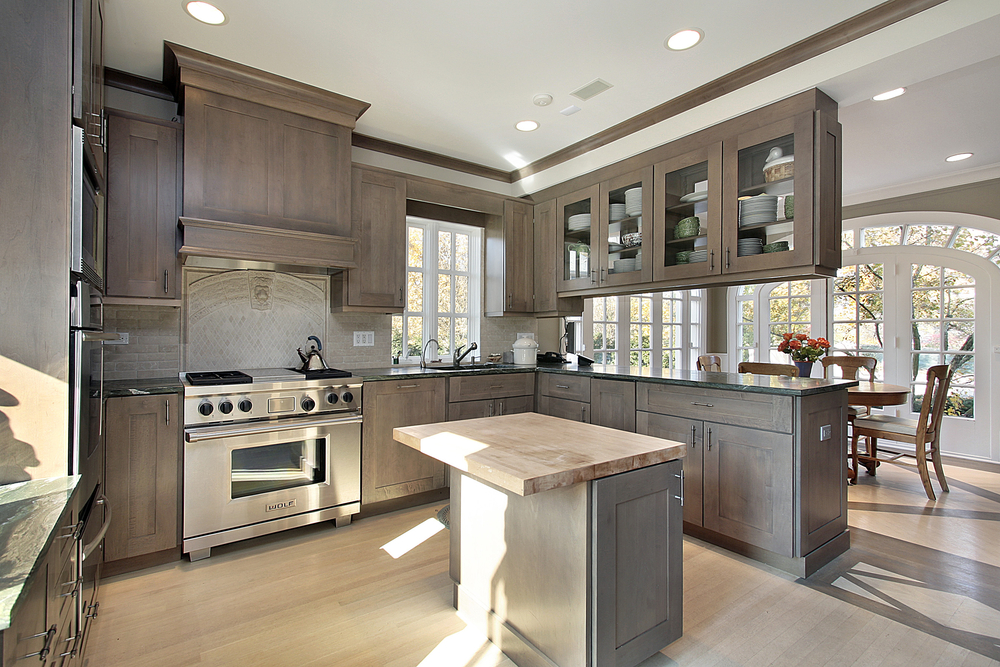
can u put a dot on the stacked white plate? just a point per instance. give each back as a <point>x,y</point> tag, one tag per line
<point>624,265</point>
<point>698,256</point>
<point>617,212</point>
<point>746,247</point>
<point>633,202</point>
<point>700,242</point>
<point>758,210</point>
<point>581,221</point>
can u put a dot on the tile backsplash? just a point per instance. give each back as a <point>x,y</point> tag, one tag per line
<point>255,319</point>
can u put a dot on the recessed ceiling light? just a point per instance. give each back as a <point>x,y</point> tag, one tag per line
<point>889,94</point>
<point>205,12</point>
<point>958,157</point>
<point>527,126</point>
<point>684,39</point>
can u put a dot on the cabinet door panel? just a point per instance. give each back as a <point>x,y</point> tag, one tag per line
<point>390,469</point>
<point>471,410</point>
<point>564,409</point>
<point>578,241</point>
<point>748,486</point>
<point>515,405</point>
<point>142,475</point>
<point>518,257</point>
<point>612,404</point>
<point>691,432</point>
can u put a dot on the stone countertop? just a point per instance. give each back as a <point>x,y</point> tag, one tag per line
<point>731,381</point>
<point>529,453</point>
<point>145,387</point>
<point>29,512</point>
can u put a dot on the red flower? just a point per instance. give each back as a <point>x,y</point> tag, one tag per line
<point>787,336</point>
<point>812,342</point>
<point>794,344</point>
<point>801,336</point>
<point>782,346</point>
<point>823,343</point>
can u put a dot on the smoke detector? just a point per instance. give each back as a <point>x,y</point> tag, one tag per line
<point>542,100</point>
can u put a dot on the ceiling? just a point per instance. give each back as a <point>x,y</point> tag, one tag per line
<point>453,77</point>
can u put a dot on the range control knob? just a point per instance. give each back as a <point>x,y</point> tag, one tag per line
<point>332,398</point>
<point>347,397</point>
<point>226,406</point>
<point>308,404</point>
<point>245,405</point>
<point>205,408</point>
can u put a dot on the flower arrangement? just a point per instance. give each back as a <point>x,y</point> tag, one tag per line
<point>802,347</point>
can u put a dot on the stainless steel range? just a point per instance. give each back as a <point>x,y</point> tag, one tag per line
<point>267,450</point>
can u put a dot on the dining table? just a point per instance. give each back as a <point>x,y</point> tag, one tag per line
<point>874,395</point>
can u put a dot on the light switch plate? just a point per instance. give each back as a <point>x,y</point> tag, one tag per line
<point>364,339</point>
<point>825,432</point>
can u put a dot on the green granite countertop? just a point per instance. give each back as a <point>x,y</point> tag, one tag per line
<point>146,387</point>
<point>29,512</point>
<point>731,381</point>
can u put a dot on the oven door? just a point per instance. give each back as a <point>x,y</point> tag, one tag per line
<point>242,474</point>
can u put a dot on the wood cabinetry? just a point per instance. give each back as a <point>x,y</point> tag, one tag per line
<point>389,469</point>
<point>378,222</point>
<point>758,473</point>
<point>547,262</point>
<point>510,261</point>
<point>564,396</point>
<point>88,76</point>
<point>473,396</point>
<point>144,199</point>
<point>143,475</point>
<point>612,404</point>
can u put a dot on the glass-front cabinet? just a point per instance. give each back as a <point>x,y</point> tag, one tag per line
<point>767,172</point>
<point>579,219</point>
<point>688,215</point>
<point>624,240</point>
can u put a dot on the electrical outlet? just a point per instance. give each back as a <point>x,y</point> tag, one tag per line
<point>364,339</point>
<point>825,432</point>
<point>122,339</point>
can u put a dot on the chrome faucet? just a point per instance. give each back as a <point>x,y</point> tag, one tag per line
<point>462,355</point>
<point>423,364</point>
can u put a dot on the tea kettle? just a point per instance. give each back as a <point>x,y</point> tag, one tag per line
<point>313,361</point>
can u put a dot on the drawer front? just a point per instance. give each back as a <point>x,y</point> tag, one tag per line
<point>558,385</point>
<point>754,410</point>
<point>564,409</point>
<point>403,385</point>
<point>470,410</point>
<point>515,405</point>
<point>479,387</point>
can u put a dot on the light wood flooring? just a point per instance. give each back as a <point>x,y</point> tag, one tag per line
<point>920,586</point>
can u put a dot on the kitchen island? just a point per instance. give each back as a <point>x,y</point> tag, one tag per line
<point>565,537</point>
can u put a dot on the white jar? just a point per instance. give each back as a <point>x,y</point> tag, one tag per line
<point>525,351</point>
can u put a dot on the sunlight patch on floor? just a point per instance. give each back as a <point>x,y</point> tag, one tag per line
<point>465,648</point>
<point>413,538</point>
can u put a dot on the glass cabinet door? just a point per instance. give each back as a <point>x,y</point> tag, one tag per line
<point>768,172</point>
<point>625,202</point>
<point>688,215</point>
<point>579,220</point>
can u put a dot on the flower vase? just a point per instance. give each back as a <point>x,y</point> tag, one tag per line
<point>805,368</point>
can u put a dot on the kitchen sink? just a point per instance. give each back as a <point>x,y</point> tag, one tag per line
<point>463,367</point>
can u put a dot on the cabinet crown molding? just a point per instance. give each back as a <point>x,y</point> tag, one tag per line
<point>183,66</point>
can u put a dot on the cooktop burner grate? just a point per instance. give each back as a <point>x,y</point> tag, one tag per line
<point>323,373</point>
<point>218,377</point>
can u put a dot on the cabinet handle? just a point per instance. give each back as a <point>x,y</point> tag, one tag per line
<point>401,295</point>
<point>681,477</point>
<point>692,435</point>
<point>165,274</point>
<point>491,409</point>
<point>711,261</point>
<point>704,405</point>
<point>510,300</point>
<point>593,276</point>
<point>562,386</point>
<point>168,412</point>
<point>44,653</point>
<point>603,278</point>
<point>709,439</point>
<point>501,408</point>
<point>407,386</point>
<point>727,258</point>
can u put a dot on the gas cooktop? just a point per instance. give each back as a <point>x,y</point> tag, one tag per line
<point>249,376</point>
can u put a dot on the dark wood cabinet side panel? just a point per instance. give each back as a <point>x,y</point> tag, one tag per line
<point>822,470</point>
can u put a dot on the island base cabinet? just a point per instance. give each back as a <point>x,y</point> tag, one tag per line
<point>588,574</point>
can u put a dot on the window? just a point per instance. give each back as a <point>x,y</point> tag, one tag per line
<point>442,289</point>
<point>858,327</point>
<point>790,310</point>
<point>762,313</point>
<point>664,329</point>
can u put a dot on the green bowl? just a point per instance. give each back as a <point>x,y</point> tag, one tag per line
<point>687,227</point>
<point>777,246</point>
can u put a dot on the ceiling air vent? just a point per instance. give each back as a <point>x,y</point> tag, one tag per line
<point>595,87</point>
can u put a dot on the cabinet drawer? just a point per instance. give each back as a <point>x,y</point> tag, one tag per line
<point>564,409</point>
<point>564,386</point>
<point>478,387</point>
<point>403,386</point>
<point>755,410</point>
<point>470,410</point>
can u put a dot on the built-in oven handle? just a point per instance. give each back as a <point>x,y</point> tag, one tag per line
<point>100,337</point>
<point>270,427</point>
<point>100,500</point>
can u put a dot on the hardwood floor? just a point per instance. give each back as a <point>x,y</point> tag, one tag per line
<point>920,586</point>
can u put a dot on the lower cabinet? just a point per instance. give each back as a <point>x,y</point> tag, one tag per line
<point>389,469</point>
<point>143,464</point>
<point>474,396</point>
<point>608,403</point>
<point>612,404</point>
<point>690,432</point>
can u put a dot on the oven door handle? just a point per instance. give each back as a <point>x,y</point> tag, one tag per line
<point>288,425</point>
<point>101,500</point>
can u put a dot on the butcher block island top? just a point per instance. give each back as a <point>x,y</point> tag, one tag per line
<point>529,453</point>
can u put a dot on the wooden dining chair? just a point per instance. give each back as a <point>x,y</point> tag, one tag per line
<point>709,362</point>
<point>849,367</point>
<point>924,433</point>
<point>768,369</point>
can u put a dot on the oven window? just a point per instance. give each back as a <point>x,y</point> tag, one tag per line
<point>267,468</point>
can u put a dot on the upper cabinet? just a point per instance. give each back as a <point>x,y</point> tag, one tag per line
<point>548,265</point>
<point>509,261</point>
<point>378,222</point>
<point>753,199</point>
<point>144,164</point>
<point>267,163</point>
<point>88,77</point>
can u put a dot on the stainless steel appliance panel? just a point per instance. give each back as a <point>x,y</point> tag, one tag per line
<point>88,226</point>
<point>208,468</point>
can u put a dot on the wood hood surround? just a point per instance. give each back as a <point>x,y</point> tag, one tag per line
<point>267,163</point>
